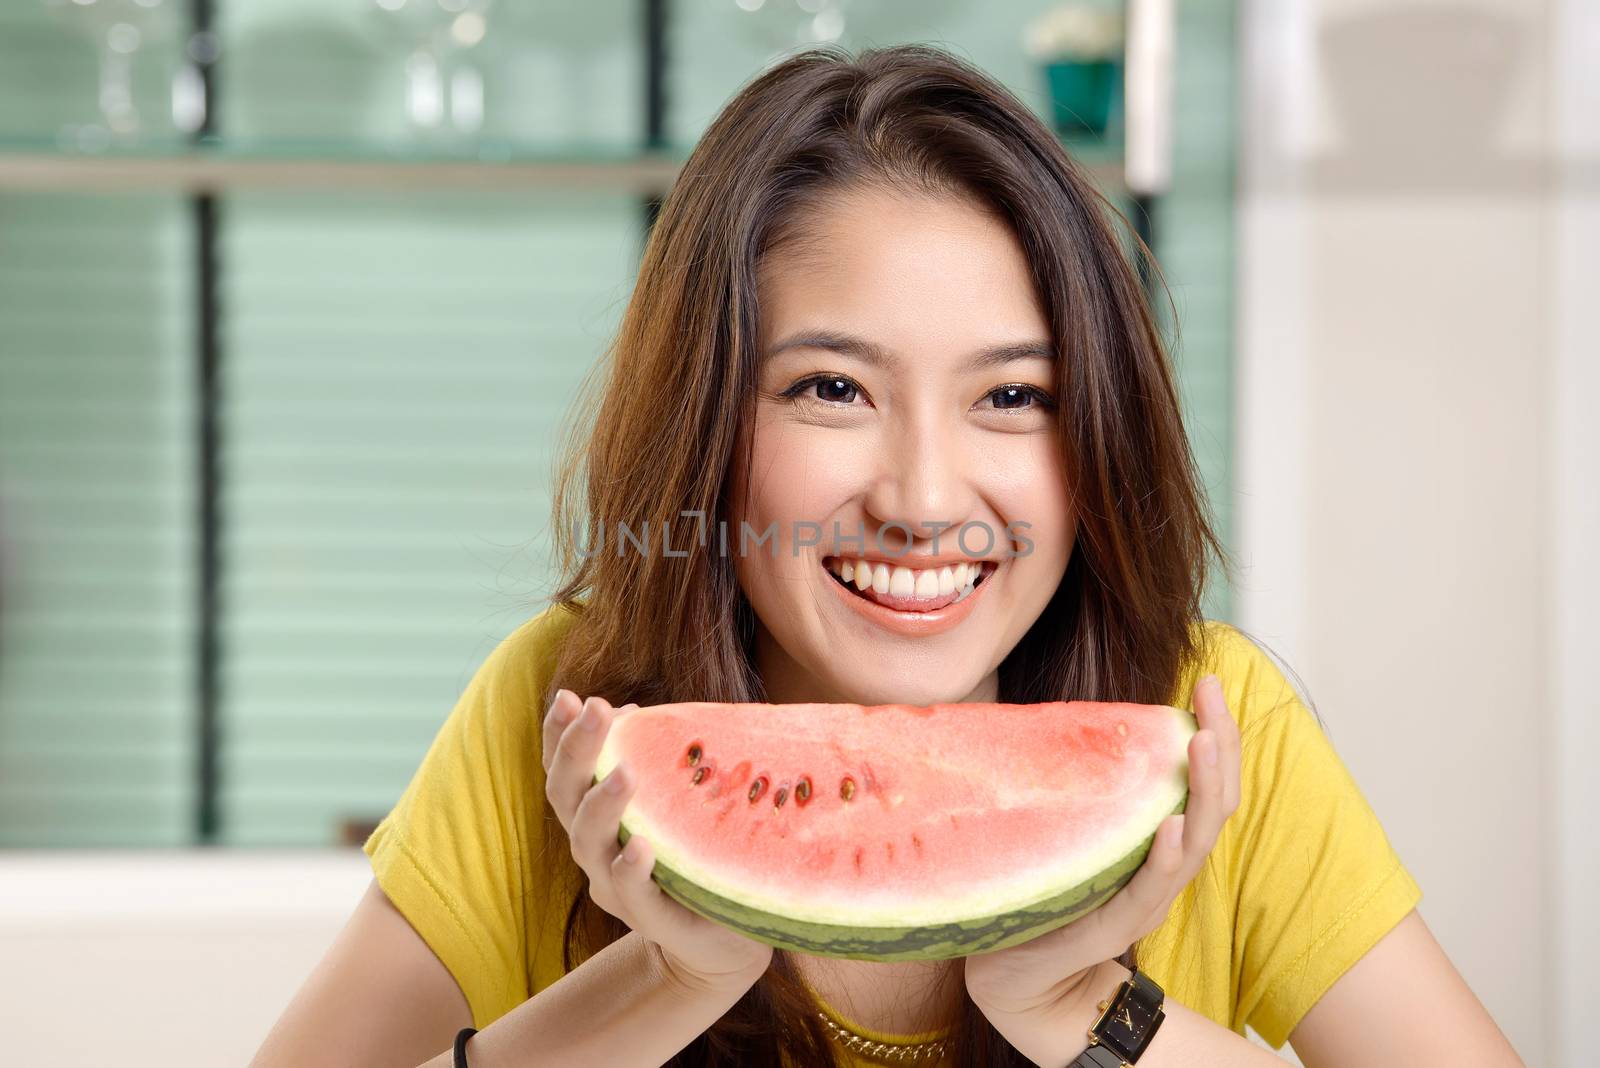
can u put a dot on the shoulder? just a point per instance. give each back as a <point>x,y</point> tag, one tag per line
<point>534,646</point>
<point>507,692</point>
<point>1255,682</point>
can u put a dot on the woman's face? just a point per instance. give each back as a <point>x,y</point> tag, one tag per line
<point>937,419</point>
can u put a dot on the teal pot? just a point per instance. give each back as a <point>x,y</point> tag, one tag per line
<point>1086,95</point>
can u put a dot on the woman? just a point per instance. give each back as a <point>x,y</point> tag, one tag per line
<point>880,305</point>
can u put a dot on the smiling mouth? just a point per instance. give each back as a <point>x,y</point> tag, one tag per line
<point>905,589</point>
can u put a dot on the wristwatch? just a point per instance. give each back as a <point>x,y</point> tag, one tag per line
<point>1128,1021</point>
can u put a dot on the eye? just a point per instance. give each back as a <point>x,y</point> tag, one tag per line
<point>827,388</point>
<point>1019,397</point>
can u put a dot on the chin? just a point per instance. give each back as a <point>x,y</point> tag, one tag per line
<point>918,691</point>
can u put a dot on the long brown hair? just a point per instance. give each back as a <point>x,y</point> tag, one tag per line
<point>676,392</point>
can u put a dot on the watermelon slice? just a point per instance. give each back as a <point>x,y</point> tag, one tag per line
<point>894,832</point>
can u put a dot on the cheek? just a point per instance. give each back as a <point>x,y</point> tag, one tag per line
<point>795,475</point>
<point>785,485</point>
<point>1030,486</point>
<point>1048,494</point>
<point>1034,491</point>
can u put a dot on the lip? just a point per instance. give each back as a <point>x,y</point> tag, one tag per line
<point>912,624</point>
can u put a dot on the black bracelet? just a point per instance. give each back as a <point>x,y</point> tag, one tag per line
<point>461,1045</point>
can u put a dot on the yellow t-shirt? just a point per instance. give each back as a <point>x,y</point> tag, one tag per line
<point>1302,882</point>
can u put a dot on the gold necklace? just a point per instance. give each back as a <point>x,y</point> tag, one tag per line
<point>933,1049</point>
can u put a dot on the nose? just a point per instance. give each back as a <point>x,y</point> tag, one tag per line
<point>922,484</point>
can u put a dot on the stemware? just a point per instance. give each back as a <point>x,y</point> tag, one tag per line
<point>443,85</point>
<point>122,30</point>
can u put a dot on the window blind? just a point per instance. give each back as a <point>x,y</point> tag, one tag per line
<point>396,370</point>
<point>96,521</point>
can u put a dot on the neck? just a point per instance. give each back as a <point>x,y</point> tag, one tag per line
<point>927,992</point>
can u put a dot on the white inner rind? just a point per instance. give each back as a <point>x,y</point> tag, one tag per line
<point>1016,890</point>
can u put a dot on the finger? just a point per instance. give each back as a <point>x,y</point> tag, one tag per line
<point>1142,904</point>
<point>1166,877</point>
<point>1211,710</point>
<point>563,710</point>
<point>572,769</point>
<point>1203,814</point>
<point>642,899</point>
<point>595,823</point>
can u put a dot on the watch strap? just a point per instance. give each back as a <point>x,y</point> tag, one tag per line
<point>1097,1057</point>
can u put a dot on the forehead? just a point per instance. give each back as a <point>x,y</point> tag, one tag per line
<point>920,273</point>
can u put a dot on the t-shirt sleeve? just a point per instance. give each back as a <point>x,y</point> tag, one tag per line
<point>451,854</point>
<point>1319,883</point>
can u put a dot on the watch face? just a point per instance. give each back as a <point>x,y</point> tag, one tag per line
<point>1132,1015</point>
<point>1128,1021</point>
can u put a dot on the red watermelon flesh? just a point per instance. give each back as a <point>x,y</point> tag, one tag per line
<point>896,832</point>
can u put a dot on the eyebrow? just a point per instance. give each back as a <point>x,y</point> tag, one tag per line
<point>877,356</point>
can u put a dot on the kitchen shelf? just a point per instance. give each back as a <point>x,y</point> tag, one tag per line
<point>206,171</point>
<point>219,168</point>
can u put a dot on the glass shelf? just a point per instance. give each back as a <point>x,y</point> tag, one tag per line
<point>45,164</point>
<point>219,165</point>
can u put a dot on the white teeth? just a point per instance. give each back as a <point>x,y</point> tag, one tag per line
<point>902,581</point>
<point>966,591</point>
<point>880,579</point>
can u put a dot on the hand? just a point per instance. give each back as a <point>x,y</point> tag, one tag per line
<point>697,952</point>
<point>1050,973</point>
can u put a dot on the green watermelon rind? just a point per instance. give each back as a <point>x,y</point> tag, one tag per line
<point>932,942</point>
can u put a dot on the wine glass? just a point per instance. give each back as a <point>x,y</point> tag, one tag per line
<point>444,88</point>
<point>121,29</point>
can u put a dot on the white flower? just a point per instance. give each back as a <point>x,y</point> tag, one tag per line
<point>1075,31</point>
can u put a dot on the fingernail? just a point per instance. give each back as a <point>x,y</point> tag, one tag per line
<point>590,720</point>
<point>1208,750</point>
<point>614,781</point>
<point>630,855</point>
<point>1215,683</point>
<point>563,710</point>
